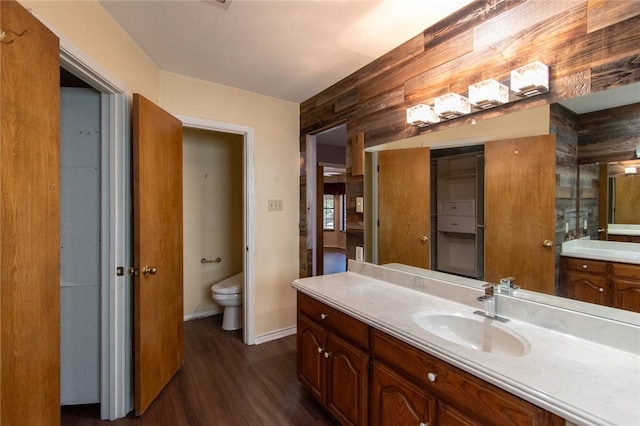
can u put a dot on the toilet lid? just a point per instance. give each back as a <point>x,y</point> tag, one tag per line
<point>231,285</point>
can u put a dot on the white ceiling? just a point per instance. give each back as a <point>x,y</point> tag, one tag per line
<point>286,49</point>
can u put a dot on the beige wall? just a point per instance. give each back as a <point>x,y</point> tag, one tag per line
<point>92,30</point>
<point>529,122</point>
<point>276,166</point>
<point>276,130</point>
<point>212,188</point>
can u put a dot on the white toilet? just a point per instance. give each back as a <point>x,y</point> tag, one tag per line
<point>229,293</point>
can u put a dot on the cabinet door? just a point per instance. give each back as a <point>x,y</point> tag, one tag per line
<point>587,288</point>
<point>627,294</point>
<point>311,362</point>
<point>395,401</point>
<point>449,416</point>
<point>348,382</point>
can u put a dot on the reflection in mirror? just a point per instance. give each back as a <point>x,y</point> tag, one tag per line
<point>591,215</point>
<point>624,193</point>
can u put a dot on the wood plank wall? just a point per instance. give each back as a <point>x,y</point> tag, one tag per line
<point>589,45</point>
<point>609,135</point>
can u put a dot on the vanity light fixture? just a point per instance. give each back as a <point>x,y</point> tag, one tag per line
<point>421,115</point>
<point>630,170</point>
<point>531,79</point>
<point>452,105</point>
<point>488,93</point>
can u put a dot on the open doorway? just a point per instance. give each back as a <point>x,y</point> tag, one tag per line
<point>242,135</point>
<point>326,169</point>
<point>213,220</point>
<point>108,303</point>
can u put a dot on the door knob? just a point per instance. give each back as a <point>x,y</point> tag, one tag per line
<point>547,243</point>
<point>424,239</point>
<point>149,270</point>
<point>601,230</point>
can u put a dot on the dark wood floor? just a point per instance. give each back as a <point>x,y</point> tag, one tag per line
<point>224,382</point>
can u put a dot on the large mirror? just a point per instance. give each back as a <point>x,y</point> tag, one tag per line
<point>580,218</point>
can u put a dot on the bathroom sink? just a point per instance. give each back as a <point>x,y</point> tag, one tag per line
<point>475,332</point>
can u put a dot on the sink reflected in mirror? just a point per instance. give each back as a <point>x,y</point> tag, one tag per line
<point>478,333</point>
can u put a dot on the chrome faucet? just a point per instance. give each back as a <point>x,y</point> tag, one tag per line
<point>507,285</point>
<point>490,303</point>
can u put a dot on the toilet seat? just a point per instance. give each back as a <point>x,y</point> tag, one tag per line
<point>231,285</point>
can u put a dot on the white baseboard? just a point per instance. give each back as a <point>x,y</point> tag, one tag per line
<point>202,314</point>
<point>273,335</point>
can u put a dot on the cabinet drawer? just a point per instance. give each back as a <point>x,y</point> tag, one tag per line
<point>625,270</point>
<point>585,265</point>
<point>457,208</point>
<point>461,224</point>
<point>334,320</point>
<point>472,396</point>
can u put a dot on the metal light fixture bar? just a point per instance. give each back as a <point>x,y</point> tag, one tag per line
<point>529,80</point>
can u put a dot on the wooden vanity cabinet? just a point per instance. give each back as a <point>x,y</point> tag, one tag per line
<point>461,398</point>
<point>364,376</point>
<point>625,278</point>
<point>333,362</point>
<point>586,280</point>
<point>395,400</point>
<point>613,284</point>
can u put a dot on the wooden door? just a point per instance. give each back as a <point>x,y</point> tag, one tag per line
<point>157,223</point>
<point>520,211</point>
<point>627,196</point>
<point>29,221</point>
<point>404,207</point>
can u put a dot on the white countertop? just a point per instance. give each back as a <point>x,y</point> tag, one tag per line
<point>602,250</point>
<point>622,229</point>
<point>584,382</point>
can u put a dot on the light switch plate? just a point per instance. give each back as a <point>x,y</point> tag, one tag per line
<point>275,205</point>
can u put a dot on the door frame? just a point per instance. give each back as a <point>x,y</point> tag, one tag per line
<point>115,290</point>
<point>248,211</point>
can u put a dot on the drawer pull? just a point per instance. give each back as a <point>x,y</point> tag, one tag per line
<point>601,290</point>
<point>432,377</point>
<point>323,316</point>
<point>584,266</point>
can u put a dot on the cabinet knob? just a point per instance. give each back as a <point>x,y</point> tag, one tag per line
<point>432,377</point>
<point>585,267</point>
<point>424,424</point>
<point>323,316</point>
<point>601,290</point>
<point>320,350</point>
<point>326,355</point>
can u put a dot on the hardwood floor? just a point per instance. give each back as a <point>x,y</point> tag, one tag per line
<point>334,260</point>
<point>224,382</point>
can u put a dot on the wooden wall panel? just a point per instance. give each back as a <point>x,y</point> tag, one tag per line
<point>605,136</point>
<point>603,13</point>
<point>589,47</point>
